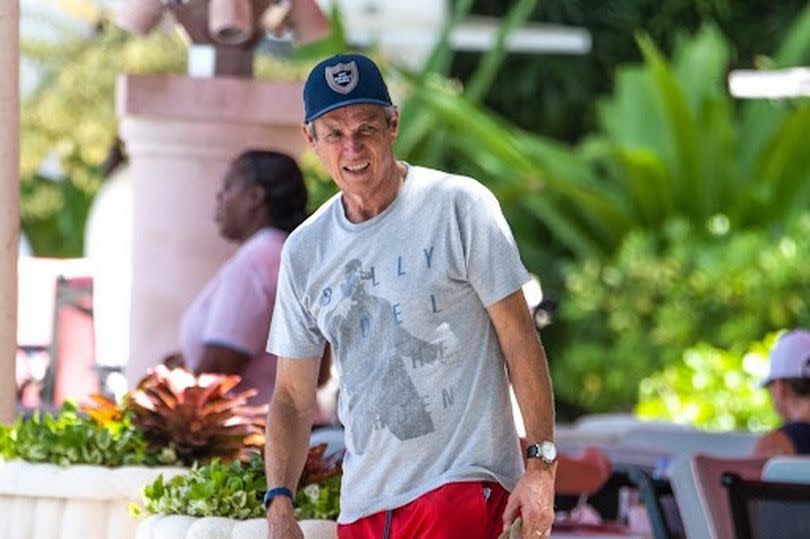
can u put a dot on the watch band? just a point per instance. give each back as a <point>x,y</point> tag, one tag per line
<point>275,493</point>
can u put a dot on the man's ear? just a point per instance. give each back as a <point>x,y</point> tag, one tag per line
<point>395,121</point>
<point>307,135</point>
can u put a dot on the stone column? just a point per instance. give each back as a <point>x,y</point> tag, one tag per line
<point>9,200</point>
<point>180,134</point>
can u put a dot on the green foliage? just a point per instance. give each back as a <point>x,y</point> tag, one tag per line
<point>72,114</point>
<point>70,438</point>
<point>236,490</point>
<point>555,94</point>
<point>319,500</point>
<point>713,389</point>
<point>629,315</point>
<point>232,490</point>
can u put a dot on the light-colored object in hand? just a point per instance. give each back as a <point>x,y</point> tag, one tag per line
<point>45,501</point>
<point>513,532</point>
<point>185,527</point>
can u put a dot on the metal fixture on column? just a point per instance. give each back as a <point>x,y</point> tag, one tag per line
<point>224,33</point>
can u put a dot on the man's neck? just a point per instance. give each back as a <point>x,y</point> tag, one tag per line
<point>359,209</point>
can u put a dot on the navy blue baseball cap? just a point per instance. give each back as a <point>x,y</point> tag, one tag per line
<point>343,79</point>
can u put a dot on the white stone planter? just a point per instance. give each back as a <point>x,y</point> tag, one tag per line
<point>185,527</point>
<point>45,501</point>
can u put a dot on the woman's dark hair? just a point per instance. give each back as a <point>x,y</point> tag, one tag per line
<point>285,194</point>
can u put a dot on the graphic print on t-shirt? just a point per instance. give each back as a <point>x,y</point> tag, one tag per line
<point>377,378</point>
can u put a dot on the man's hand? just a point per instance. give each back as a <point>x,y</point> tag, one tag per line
<point>281,523</point>
<point>533,499</point>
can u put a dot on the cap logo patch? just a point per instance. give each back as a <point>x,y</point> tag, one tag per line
<point>342,78</point>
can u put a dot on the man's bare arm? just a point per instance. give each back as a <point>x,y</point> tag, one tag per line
<point>289,422</point>
<point>526,362</point>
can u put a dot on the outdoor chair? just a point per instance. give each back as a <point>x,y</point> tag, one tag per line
<point>768,509</point>
<point>700,496</point>
<point>659,501</point>
<point>788,468</point>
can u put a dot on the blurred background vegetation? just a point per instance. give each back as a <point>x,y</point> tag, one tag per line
<point>668,220</point>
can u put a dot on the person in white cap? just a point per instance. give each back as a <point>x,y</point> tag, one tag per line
<point>789,384</point>
<point>413,277</point>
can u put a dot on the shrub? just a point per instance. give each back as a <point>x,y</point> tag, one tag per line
<point>712,388</point>
<point>71,438</point>
<point>236,490</point>
<point>630,315</point>
<point>172,416</point>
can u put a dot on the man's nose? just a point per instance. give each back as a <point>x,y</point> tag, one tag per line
<point>354,143</point>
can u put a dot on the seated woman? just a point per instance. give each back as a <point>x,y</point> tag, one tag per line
<point>789,384</point>
<point>224,330</point>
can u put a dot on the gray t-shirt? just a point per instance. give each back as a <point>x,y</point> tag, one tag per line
<point>402,299</point>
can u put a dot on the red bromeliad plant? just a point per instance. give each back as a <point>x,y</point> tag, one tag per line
<point>195,418</point>
<point>318,467</point>
<point>198,417</point>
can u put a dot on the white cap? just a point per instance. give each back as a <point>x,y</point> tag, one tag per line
<point>790,357</point>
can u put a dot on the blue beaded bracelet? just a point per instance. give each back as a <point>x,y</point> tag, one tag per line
<point>274,493</point>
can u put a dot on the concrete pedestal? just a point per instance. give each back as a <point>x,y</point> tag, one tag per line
<point>180,134</point>
<point>9,200</point>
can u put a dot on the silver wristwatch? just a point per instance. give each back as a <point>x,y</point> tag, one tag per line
<point>545,451</point>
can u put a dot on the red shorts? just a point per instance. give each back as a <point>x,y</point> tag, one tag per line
<point>467,510</point>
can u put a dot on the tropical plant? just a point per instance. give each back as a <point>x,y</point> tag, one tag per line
<point>556,94</point>
<point>630,315</point>
<point>197,417</point>
<point>713,389</point>
<point>318,493</point>
<point>235,490</point>
<point>232,490</point>
<point>672,144</point>
<point>72,438</point>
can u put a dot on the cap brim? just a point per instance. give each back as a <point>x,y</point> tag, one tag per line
<point>765,381</point>
<point>356,101</point>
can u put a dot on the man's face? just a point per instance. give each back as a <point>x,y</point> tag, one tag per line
<point>355,144</point>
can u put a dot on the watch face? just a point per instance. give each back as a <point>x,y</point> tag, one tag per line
<point>545,451</point>
<point>548,451</point>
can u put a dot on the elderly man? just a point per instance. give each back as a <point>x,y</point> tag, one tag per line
<point>413,277</point>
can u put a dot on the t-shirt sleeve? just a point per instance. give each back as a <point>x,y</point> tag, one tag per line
<point>492,260</point>
<point>241,308</point>
<point>294,333</point>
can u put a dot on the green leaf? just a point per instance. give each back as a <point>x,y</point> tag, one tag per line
<point>681,133</point>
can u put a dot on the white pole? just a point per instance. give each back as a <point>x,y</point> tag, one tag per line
<point>9,200</point>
